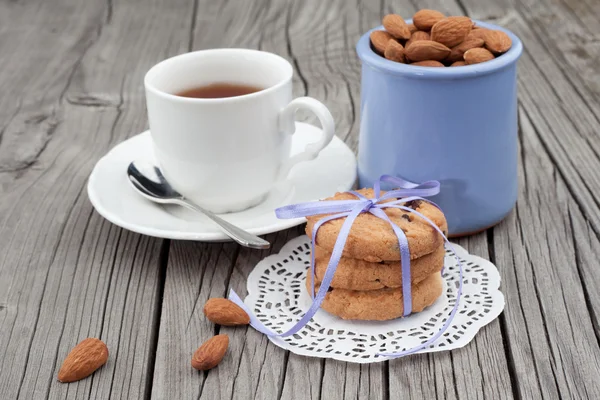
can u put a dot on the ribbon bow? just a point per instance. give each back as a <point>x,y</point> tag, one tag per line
<point>350,209</point>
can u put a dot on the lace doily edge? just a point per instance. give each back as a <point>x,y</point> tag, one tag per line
<point>495,293</point>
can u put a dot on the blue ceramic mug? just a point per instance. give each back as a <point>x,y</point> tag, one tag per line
<point>455,125</point>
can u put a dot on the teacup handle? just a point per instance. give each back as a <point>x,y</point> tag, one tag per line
<point>288,126</point>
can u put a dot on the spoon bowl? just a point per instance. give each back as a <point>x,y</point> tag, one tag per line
<point>148,180</point>
<point>151,183</point>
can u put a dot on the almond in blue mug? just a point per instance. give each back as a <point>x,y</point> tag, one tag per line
<point>455,125</point>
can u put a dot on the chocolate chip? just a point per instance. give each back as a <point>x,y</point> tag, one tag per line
<point>407,217</point>
<point>414,204</point>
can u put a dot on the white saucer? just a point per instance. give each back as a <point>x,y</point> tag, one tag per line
<point>334,170</point>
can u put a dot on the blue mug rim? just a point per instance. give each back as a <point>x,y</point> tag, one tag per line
<point>368,56</point>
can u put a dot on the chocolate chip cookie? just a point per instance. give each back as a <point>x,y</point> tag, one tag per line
<point>372,239</point>
<point>354,274</point>
<point>382,304</point>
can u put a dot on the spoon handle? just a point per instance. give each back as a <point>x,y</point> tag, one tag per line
<point>239,235</point>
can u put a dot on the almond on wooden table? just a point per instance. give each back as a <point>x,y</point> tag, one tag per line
<point>418,35</point>
<point>379,40</point>
<point>225,312</point>
<point>396,26</point>
<point>425,19</point>
<point>428,63</point>
<point>451,31</point>
<point>456,53</point>
<point>497,42</point>
<point>395,51</point>
<point>85,358</point>
<point>423,50</point>
<point>477,55</point>
<point>210,354</point>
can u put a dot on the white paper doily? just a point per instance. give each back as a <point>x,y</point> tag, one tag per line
<point>278,297</point>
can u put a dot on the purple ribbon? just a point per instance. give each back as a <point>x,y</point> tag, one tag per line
<point>350,209</point>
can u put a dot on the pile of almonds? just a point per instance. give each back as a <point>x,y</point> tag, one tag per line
<point>434,40</point>
<point>91,353</point>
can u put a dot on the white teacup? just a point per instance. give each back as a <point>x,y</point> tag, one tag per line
<point>225,154</point>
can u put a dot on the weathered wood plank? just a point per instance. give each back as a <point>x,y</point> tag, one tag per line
<point>558,157</point>
<point>254,367</point>
<point>320,40</point>
<point>195,272</point>
<point>343,380</point>
<point>568,122</point>
<point>477,371</point>
<point>35,35</point>
<point>303,378</point>
<point>487,350</point>
<point>569,31</point>
<point>550,332</point>
<point>74,89</point>
<point>65,274</point>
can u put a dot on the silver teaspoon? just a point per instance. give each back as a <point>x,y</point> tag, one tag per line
<point>149,181</point>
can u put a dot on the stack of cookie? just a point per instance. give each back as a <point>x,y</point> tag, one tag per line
<point>367,284</point>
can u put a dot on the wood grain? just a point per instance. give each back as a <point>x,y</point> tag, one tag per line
<point>558,155</point>
<point>550,330</point>
<point>568,122</point>
<point>72,88</point>
<point>255,367</point>
<point>195,273</point>
<point>70,92</point>
<point>571,41</point>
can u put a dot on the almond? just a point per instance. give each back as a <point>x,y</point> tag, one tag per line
<point>418,35</point>
<point>477,32</point>
<point>477,55</point>
<point>379,40</point>
<point>225,312</point>
<point>210,354</point>
<point>497,42</point>
<point>458,64</point>
<point>426,50</point>
<point>456,53</point>
<point>395,26</point>
<point>412,28</point>
<point>451,31</point>
<point>85,358</point>
<point>428,63</point>
<point>394,51</point>
<point>425,19</point>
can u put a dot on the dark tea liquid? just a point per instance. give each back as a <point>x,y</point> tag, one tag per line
<point>219,90</point>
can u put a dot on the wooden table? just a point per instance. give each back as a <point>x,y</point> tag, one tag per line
<point>71,88</point>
